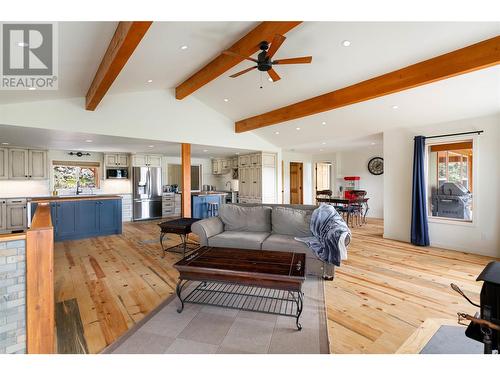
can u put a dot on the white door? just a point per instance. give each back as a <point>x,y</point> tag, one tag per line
<point>154,161</point>
<point>139,161</point>
<point>111,160</point>
<point>18,163</point>
<point>4,163</point>
<point>37,164</point>
<point>122,160</point>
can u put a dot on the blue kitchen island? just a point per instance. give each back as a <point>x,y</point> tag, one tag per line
<point>78,217</point>
<point>199,202</point>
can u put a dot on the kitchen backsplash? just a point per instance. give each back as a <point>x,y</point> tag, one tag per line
<point>33,188</point>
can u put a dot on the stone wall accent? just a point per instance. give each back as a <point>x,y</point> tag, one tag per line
<point>13,296</point>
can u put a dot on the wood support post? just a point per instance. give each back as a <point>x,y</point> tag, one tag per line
<point>186,179</point>
<point>40,321</point>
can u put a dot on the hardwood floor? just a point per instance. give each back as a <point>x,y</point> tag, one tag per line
<point>380,295</point>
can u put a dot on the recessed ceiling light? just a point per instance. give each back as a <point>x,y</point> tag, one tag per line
<point>373,143</point>
<point>89,140</point>
<point>323,123</point>
<point>226,100</point>
<point>151,146</point>
<point>323,143</point>
<point>395,107</point>
<point>297,128</point>
<point>346,43</point>
<point>22,44</point>
<point>150,80</point>
<point>321,149</point>
<point>237,153</point>
<point>5,143</point>
<point>277,133</point>
<point>32,88</point>
<point>184,48</point>
<point>205,150</point>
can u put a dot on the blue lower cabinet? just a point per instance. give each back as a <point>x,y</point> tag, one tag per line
<point>199,204</point>
<point>86,218</point>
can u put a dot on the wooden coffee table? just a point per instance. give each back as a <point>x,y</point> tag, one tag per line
<point>253,280</point>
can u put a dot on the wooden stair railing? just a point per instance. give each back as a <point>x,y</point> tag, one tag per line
<point>40,322</point>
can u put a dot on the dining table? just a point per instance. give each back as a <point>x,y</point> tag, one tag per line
<point>348,206</point>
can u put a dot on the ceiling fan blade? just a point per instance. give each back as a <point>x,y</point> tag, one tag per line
<point>294,60</point>
<point>242,72</point>
<point>275,44</point>
<point>274,76</point>
<point>238,55</point>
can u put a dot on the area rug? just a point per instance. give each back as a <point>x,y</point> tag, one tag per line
<point>201,329</point>
<point>452,340</point>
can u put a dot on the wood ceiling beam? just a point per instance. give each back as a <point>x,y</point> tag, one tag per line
<point>465,60</point>
<point>124,42</point>
<point>246,46</point>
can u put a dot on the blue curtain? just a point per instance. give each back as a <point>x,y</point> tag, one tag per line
<point>419,227</point>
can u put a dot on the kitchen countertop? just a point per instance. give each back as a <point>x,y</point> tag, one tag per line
<point>73,197</point>
<point>209,193</point>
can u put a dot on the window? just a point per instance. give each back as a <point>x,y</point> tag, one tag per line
<point>450,180</point>
<point>66,175</point>
<point>323,179</point>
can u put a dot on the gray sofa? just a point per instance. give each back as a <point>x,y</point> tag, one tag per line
<point>263,227</point>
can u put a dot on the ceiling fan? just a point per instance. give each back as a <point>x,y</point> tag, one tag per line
<point>264,59</point>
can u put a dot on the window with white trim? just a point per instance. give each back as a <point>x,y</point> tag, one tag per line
<point>450,180</point>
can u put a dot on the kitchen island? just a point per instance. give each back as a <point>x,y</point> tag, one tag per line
<point>82,216</point>
<point>200,200</point>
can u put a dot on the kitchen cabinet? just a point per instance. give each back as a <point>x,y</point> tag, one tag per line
<point>85,218</point>
<point>116,160</point>
<point>4,163</point>
<point>16,216</point>
<point>3,215</point>
<point>257,178</point>
<point>234,163</point>
<point>146,160</point>
<point>26,164</point>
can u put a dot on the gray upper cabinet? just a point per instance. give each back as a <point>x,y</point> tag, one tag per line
<point>4,163</point>
<point>27,164</point>
<point>18,163</point>
<point>116,160</point>
<point>37,160</point>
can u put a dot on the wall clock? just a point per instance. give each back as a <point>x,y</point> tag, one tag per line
<point>376,166</point>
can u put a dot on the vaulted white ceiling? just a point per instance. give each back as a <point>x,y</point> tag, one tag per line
<point>376,48</point>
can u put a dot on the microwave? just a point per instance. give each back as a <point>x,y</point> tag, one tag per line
<point>117,173</point>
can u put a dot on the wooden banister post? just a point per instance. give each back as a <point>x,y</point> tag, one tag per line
<point>186,179</point>
<point>40,321</point>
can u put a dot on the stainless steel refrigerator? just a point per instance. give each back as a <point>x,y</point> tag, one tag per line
<point>146,193</point>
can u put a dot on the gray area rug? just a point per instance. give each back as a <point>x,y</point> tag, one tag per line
<point>452,340</point>
<point>202,329</point>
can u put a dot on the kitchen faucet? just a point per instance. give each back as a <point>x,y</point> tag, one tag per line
<point>78,189</point>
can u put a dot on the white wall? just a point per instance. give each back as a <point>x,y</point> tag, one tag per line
<point>154,115</point>
<point>355,163</point>
<point>482,236</point>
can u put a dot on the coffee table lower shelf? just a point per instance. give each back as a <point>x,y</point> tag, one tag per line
<point>244,297</point>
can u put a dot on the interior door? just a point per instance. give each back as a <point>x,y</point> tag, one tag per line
<point>296,180</point>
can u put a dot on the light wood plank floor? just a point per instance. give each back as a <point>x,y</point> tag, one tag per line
<point>380,295</point>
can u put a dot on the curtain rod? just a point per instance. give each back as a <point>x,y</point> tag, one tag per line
<point>478,132</point>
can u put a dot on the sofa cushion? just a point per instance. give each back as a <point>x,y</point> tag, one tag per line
<point>283,242</point>
<point>291,221</point>
<point>245,219</point>
<point>239,239</point>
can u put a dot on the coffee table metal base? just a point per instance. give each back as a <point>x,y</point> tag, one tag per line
<point>244,297</point>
